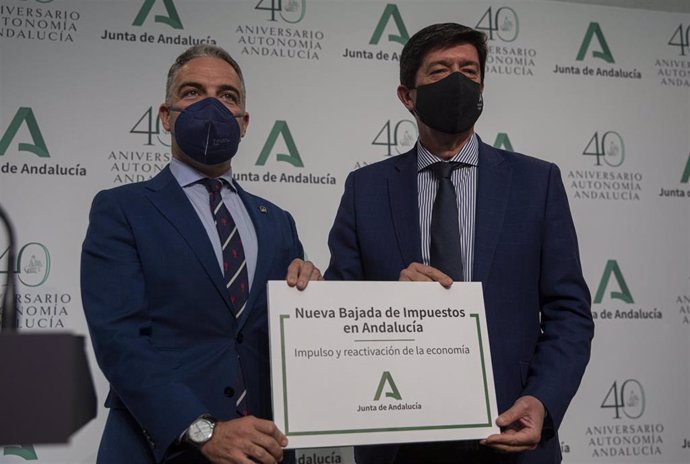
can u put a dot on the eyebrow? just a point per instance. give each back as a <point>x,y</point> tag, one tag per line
<point>450,63</point>
<point>199,86</point>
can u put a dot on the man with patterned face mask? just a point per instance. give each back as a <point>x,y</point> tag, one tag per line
<point>456,209</point>
<point>174,274</point>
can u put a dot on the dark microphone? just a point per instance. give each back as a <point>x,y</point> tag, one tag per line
<point>37,361</point>
<point>8,310</point>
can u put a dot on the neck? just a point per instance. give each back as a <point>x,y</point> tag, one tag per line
<point>443,145</point>
<point>212,171</point>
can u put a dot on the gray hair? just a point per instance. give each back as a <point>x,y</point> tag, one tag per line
<point>197,51</point>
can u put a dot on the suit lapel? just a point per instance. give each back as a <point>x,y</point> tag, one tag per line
<point>169,198</point>
<point>493,188</point>
<point>404,205</point>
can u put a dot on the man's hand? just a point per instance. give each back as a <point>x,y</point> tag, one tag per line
<point>245,441</point>
<point>417,272</point>
<point>300,272</point>
<point>520,426</point>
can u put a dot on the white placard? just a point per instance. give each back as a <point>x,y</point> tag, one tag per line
<point>356,363</point>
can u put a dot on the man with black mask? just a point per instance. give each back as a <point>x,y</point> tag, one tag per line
<point>456,209</point>
<point>174,274</point>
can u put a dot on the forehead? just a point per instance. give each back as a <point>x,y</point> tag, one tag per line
<point>207,69</point>
<point>455,53</point>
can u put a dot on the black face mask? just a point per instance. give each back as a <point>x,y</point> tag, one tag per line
<point>451,105</point>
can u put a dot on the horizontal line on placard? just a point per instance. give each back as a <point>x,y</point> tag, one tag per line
<point>391,429</point>
<point>387,340</point>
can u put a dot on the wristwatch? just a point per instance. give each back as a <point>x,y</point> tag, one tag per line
<point>201,430</point>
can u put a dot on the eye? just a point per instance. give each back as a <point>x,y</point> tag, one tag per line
<point>190,93</point>
<point>229,96</point>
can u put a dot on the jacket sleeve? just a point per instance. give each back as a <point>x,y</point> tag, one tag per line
<point>346,260</point>
<point>115,304</point>
<point>563,348</point>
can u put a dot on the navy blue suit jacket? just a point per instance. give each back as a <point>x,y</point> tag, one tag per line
<point>526,256</point>
<point>160,319</point>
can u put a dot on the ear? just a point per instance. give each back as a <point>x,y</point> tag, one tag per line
<point>164,115</point>
<point>244,123</point>
<point>406,98</point>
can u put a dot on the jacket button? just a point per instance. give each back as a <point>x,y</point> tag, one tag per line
<point>239,337</point>
<point>229,392</point>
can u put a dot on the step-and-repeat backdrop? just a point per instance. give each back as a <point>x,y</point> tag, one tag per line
<point>603,92</point>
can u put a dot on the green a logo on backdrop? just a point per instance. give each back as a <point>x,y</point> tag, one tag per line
<point>172,20</point>
<point>612,269</point>
<point>280,128</point>
<point>38,147</point>
<point>23,451</point>
<point>686,173</point>
<point>392,392</point>
<point>390,12</point>
<point>503,142</point>
<point>594,30</point>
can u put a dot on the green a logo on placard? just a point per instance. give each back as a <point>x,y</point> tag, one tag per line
<point>612,269</point>
<point>390,12</point>
<point>392,392</point>
<point>172,20</point>
<point>23,451</point>
<point>280,128</point>
<point>686,173</point>
<point>503,142</point>
<point>594,30</point>
<point>38,147</point>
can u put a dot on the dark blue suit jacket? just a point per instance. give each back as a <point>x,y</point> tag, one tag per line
<point>160,319</point>
<point>526,256</point>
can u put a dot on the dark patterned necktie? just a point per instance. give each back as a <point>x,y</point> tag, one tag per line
<point>234,265</point>
<point>444,251</point>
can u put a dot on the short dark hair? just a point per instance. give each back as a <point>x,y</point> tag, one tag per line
<point>437,36</point>
<point>197,51</point>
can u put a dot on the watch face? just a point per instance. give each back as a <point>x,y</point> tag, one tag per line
<point>201,431</point>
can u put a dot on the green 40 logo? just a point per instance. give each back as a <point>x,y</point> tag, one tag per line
<point>149,124</point>
<point>681,39</point>
<point>290,11</point>
<point>504,24</point>
<point>628,399</point>
<point>609,147</point>
<point>402,136</point>
<point>32,265</point>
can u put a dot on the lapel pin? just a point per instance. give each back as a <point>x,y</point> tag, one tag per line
<point>263,209</point>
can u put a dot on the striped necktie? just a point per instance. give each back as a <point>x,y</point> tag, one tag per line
<point>234,265</point>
